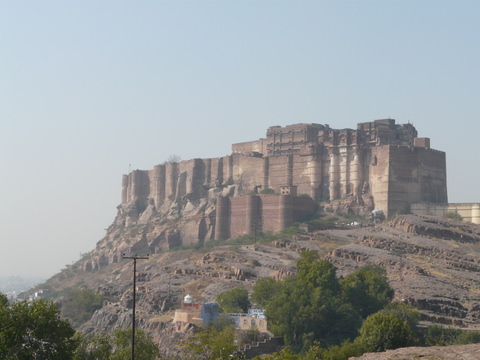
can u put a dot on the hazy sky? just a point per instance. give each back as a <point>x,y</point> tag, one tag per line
<point>89,89</point>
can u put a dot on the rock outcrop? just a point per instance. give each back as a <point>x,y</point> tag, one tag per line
<point>271,183</point>
<point>458,352</point>
<point>433,264</point>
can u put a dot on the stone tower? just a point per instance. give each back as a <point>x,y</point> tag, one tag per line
<point>380,165</point>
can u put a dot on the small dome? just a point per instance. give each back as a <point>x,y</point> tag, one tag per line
<point>188,299</point>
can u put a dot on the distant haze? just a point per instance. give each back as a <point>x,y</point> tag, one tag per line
<point>14,285</point>
<point>92,89</point>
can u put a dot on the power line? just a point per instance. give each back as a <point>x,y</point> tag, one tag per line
<point>134,258</point>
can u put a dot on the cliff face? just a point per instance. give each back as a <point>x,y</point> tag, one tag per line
<point>431,263</point>
<point>266,185</point>
<point>380,165</point>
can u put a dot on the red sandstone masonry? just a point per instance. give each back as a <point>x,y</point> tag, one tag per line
<point>379,165</point>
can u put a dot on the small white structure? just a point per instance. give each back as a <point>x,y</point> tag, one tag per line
<point>253,319</point>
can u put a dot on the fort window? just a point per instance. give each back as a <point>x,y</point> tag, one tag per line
<point>288,190</point>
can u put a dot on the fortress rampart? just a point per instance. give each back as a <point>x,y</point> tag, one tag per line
<point>381,165</point>
<point>236,216</point>
<point>470,212</point>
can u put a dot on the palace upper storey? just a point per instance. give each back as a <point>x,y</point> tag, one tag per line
<point>307,139</point>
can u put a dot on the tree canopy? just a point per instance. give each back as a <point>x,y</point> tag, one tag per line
<point>34,330</point>
<point>234,301</point>
<point>79,304</point>
<point>264,290</point>
<point>314,305</point>
<point>117,346</point>
<point>211,344</point>
<point>145,349</point>
<point>382,331</point>
<point>367,289</point>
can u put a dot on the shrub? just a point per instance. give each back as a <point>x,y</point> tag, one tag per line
<point>381,332</point>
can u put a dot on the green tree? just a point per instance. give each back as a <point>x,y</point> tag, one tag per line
<point>234,300</point>
<point>249,336</point>
<point>468,337</point>
<point>314,306</point>
<point>117,346</point>
<point>79,304</point>
<point>436,335</point>
<point>309,307</point>
<point>284,354</point>
<point>405,320</point>
<point>403,311</point>
<point>314,272</point>
<point>93,348</point>
<point>4,330</point>
<point>264,290</point>
<point>145,348</point>
<point>454,216</point>
<point>342,352</point>
<point>3,301</point>
<point>211,344</point>
<point>381,332</point>
<point>314,352</point>
<point>34,331</point>
<point>367,289</point>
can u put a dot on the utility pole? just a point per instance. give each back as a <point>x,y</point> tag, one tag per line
<point>134,258</point>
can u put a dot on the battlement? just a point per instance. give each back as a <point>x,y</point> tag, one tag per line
<point>307,138</point>
<point>379,165</point>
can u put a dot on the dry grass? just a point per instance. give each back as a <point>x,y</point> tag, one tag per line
<point>426,263</point>
<point>474,290</point>
<point>195,288</point>
<point>162,318</point>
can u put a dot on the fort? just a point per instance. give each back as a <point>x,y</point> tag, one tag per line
<point>271,182</point>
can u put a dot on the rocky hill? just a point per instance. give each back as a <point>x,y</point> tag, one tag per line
<point>192,216</point>
<point>431,263</point>
<point>459,352</point>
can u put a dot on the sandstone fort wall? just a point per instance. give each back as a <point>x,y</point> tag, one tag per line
<point>237,216</point>
<point>470,212</point>
<point>380,165</point>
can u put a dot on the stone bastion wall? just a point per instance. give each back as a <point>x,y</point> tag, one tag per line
<point>381,165</point>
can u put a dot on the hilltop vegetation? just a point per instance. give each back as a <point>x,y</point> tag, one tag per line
<point>431,264</point>
<point>323,317</point>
